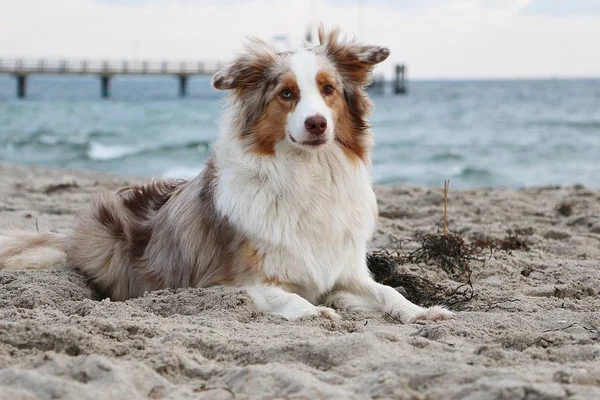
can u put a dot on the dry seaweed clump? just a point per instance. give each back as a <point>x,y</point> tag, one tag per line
<point>384,267</point>
<point>449,252</point>
<point>565,209</point>
<point>512,241</point>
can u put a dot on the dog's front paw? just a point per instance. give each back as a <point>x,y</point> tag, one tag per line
<point>416,313</point>
<point>312,311</point>
<point>328,313</point>
<point>435,313</point>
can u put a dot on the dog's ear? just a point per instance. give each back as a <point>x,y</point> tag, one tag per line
<point>247,70</point>
<point>354,60</point>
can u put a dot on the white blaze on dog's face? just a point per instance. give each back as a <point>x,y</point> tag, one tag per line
<point>310,99</point>
<point>310,123</point>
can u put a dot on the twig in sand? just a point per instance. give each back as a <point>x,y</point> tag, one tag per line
<point>446,189</point>
<point>496,304</point>
<point>572,325</point>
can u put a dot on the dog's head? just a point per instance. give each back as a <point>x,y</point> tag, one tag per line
<point>310,98</point>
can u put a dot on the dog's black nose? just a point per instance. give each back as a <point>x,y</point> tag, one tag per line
<point>316,124</point>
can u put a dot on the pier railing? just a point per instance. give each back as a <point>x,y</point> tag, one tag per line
<point>19,66</point>
<point>105,69</point>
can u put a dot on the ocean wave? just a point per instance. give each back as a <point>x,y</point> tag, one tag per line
<point>94,146</point>
<point>583,124</point>
<point>102,134</point>
<point>182,172</point>
<point>470,172</point>
<point>44,137</point>
<point>446,156</point>
<point>103,152</point>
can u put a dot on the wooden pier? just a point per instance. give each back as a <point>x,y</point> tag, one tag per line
<point>400,81</point>
<point>378,83</point>
<point>21,69</point>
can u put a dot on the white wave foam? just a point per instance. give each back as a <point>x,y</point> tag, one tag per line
<point>182,172</point>
<point>102,152</point>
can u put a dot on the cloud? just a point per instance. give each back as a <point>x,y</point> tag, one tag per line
<point>457,39</point>
<point>405,6</point>
<point>438,7</point>
<point>562,8</point>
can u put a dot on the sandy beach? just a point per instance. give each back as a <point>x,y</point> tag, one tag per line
<point>531,331</point>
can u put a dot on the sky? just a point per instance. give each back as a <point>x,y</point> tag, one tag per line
<point>437,39</point>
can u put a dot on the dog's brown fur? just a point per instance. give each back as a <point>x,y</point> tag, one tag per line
<point>163,234</point>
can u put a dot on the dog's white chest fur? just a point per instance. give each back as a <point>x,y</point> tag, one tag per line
<point>309,215</point>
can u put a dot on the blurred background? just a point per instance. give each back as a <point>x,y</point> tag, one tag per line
<point>498,92</point>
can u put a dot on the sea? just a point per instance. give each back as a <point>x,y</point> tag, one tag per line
<point>507,133</point>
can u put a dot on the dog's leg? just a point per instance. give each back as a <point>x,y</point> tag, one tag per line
<point>367,295</point>
<point>275,300</point>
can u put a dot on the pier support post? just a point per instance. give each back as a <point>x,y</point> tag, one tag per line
<point>400,84</point>
<point>21,86</point>
<point>105,86</point>
<point>182,85</point>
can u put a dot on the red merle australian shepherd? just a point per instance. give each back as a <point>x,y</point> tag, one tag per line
<point>284,207</point>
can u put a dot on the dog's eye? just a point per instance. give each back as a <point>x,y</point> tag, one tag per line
<point>286,94</point>
<point>328,89</point>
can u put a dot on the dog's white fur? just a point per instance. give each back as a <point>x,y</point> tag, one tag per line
<point>305,66</point>
<point>296,222</point>
<point>322,249</point>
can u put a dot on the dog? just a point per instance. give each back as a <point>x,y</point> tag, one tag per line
<point>284,207</point>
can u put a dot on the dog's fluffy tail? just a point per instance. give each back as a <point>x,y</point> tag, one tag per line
<point>31,250</point>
